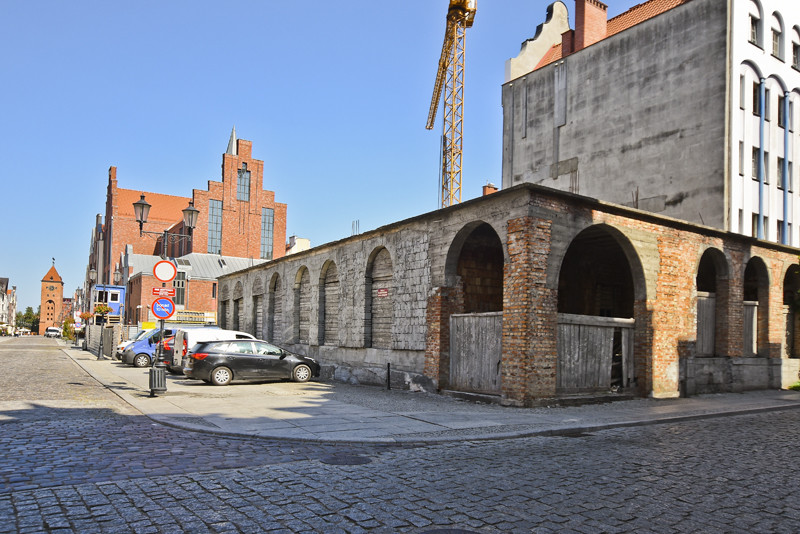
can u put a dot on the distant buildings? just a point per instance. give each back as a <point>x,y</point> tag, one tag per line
<point>8,306</point>
<point>687,108</point>
<point>239,223</point>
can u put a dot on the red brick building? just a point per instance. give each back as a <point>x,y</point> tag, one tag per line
<point>237,217</point>
<point>52,301</point>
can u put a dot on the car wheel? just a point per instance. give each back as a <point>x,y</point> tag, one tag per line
<point>301,373</point>
<point>221,376</point>
<point>141,360</point>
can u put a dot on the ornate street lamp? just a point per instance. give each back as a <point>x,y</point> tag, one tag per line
<point>141,209</point>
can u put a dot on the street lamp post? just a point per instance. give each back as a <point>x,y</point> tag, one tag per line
<point>141,209</point>
<point>93,278</point>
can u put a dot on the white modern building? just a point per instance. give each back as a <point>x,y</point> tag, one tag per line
<point>688,108</point>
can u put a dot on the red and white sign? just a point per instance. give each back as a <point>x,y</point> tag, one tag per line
<point>383,292</point>
<point>165,271</point>
<point>163,291</point>
<point>163,308</point>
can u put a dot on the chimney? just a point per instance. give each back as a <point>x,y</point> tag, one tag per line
<point>488,189</point>
<point>567,43</point>
<point>591,17</point>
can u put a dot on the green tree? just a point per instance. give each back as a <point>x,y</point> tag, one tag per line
<point>67,328</point>
<point>28,319</point>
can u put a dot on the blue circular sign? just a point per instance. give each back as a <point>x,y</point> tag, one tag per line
<point>163,308</point>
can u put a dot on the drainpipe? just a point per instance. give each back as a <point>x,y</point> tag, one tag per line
<point>785,170</point>
<point>761,96</point>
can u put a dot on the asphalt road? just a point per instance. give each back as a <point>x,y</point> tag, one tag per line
<point>75,458</point>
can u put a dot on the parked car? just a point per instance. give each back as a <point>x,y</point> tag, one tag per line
<point>220,362</point>
<point>125,344</point>
<point>188,338</point>
<point>141,352</point>
<point>52,331</point>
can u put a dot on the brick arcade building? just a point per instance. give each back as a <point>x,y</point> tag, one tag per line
<point>532,293</point>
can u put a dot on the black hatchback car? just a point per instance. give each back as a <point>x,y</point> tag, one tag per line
<point>220,362</point>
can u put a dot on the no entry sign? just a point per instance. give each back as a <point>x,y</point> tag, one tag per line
<point>165,271</point>
<point>163,308</point>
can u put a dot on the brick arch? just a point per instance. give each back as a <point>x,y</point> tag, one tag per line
<point>606,294</point>
<point>791,310</point>
<point>457,244</point>
<point>755,293</point>
<point>238,291</point>
<point>636,250</point>
<point>474,266</point>
<point>712,290</point>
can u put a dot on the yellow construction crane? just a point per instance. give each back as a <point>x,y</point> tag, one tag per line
<point>460,16</point>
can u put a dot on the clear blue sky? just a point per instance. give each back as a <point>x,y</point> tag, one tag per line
<point>333,95</point>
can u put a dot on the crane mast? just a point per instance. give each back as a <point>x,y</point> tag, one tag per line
<point>450,78</point>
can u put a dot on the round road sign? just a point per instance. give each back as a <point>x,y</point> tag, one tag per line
<point>165,271</point>
<point>163,308</point>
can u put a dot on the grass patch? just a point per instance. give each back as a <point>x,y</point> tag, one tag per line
<point>795,387</point>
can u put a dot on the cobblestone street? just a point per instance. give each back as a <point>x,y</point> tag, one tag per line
<point>75,458</point>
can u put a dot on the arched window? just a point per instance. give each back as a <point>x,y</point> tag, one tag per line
<point>756,33</point>
<point>796,48</point>
<point>777,36</point>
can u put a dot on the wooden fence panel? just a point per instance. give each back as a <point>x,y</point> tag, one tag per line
<point>706,323</point>
<point>476,352</point>
<point>586,350</point>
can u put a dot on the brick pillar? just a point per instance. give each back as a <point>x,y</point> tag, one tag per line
<point>529,314</point>
<point>444,302</point>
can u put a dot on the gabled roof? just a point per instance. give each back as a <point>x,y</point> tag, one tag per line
<point>197,266</point>
<point>52,276</point>
<point>635,15</point>
<point>163,208</point>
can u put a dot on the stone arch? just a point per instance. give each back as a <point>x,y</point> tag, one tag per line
<point>475,263</point>
<point>791,307</point>
<point>237,319</point>
<point>302,305</point>
<point>329,304</point>
<point>472,303</point>
<point>756,308</point>
<point>257,322</point>
<point>601,307</point>
<point>379,300</point>
<point>712,285</point>
<point>274,331</point>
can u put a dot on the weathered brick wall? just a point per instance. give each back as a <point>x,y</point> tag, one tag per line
<point>535,227</point>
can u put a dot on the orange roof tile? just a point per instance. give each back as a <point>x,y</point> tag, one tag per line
<point>162,207</point>
<point>635,15</point>
<point>52,275</point>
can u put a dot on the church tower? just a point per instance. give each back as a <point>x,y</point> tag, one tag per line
<point>52,299</point>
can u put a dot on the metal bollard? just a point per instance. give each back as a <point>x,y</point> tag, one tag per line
<point>158,379</point>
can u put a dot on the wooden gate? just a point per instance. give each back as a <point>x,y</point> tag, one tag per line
<point>706,323</point>
<point>594,353</point>
<point>475,352</point>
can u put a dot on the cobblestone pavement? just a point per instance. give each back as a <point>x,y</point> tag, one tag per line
<point>74,458</point>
